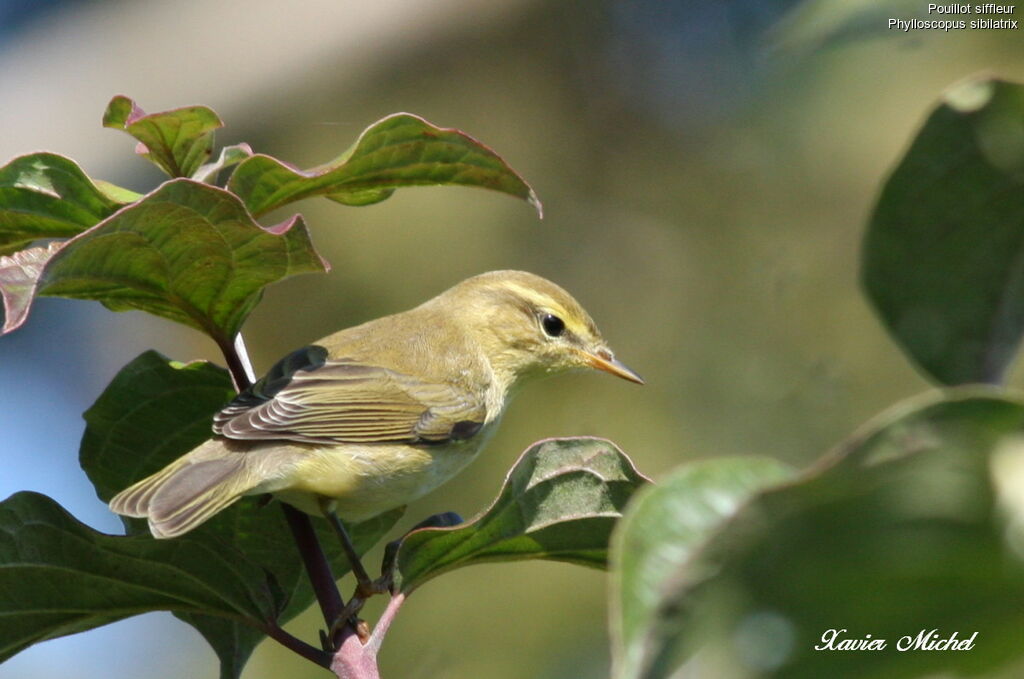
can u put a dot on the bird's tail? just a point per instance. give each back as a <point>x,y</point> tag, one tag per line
<point>188,491</point>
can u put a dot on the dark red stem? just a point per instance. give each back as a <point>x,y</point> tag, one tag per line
<point>318,568</point>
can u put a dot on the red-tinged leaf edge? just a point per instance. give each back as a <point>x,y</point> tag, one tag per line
<point>161,137</point>
<point>45,195</point>
<point>26,277</point>
<point>519,484</point>
<point>337,181</point>
<point>19,276</point>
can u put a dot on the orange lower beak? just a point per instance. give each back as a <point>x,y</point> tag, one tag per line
<point>604,360</point>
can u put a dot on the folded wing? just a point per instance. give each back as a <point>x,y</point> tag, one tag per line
<point>311,399</point>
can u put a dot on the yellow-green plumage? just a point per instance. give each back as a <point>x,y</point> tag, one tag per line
<point>377,415</point>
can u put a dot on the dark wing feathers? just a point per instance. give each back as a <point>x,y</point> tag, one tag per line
<point>309,399</point>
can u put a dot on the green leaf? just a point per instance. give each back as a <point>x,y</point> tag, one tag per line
<point>151,412</point>
<point>177,141</point>
<point>914,524</point>
<point>399,150</point>
<point>943,260</point>
<point>559,502</point>
<point>662,528</point>
<point>189,252</point>
<point>156,410</point>
<point>229,157</point>
<point>58,576</point>
<point>43,195</point>
<point>117,193</point>
<point>18,276</point>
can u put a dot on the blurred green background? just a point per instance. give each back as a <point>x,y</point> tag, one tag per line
<point>706,169</point>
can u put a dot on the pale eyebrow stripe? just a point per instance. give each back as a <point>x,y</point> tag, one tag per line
<point>541,301</point>
<point>532,296</point>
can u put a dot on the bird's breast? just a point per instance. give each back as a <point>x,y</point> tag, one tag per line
<point>366,480</point>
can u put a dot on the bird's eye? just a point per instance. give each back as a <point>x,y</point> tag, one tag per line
<point>553,325</point>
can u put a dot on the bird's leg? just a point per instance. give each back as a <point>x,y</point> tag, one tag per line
<point>346,544</point>
<point>365,587</point>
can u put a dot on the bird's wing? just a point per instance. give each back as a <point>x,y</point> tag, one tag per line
<point>311,399</point>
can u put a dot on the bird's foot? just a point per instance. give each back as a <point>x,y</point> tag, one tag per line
<point>349,614</point>
<point>365,587</point>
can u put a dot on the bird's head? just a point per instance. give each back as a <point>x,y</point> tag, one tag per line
<point>527,326</point>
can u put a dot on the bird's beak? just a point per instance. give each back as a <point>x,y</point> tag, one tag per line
<point>602,359</point>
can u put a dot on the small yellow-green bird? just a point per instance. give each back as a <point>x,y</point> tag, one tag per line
<point>375,416</point>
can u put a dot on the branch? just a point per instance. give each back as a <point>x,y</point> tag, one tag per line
<point>356,660</point>
<point>241,354</point>
<point>318,568</point>
<point>239,365</point>
<point>353,659</point>
<point>311,653</point>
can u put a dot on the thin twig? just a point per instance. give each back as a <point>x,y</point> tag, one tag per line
<point>237,366</point>
<point>243,358</point>
<point>312,653</point>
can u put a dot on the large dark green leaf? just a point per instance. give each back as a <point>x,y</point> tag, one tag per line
<point>400,150</point>
<point>559,502</point>
<point>58,576</point>
<point>177,141</point>
<point>188,252</point>
<point>943,259</point>
<point>153,412</point>
<point>43,195</point>
<point>662,528</point>
<point>904,529</point>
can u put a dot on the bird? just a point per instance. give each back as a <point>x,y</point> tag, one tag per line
<point>377,415</point>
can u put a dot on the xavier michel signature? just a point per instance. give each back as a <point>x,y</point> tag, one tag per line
<point>925,640</point>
